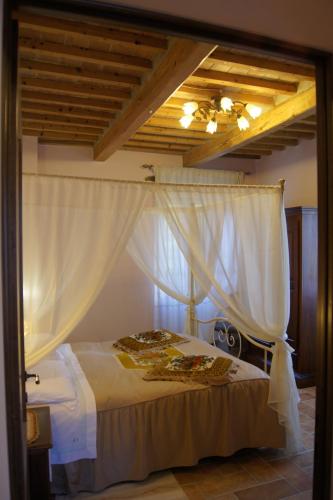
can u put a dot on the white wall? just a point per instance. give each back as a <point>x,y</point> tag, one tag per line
<point>304,22</point>
<point>298,166</point>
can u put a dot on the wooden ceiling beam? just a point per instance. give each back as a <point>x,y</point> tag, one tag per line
<point>222,55</point>
<point>162,139</point>
<point>283,142</point>
<point>192,92</point>
<point>171,123</point>
<point>254,151</point>
<point>37,96</point>
<point>59,135</point>
<point>157,145</point>
<point>63,119</point>
<point>181,59</point>
<point>153,150</point>
<point>245,81</point>
<point>48,24</point>
<point>286,113</point>
<point>243,156</point>
<point>64,142</point>
<point>82,53</point>
<point>302,127</point>
<point>60,127</point>
<point>76,73</point>
<point>166,112</point>
<point>183,132</point>
<point>293,134</point>
<point>263,146</point>
<point>75,88</point>
<point>66,110</point>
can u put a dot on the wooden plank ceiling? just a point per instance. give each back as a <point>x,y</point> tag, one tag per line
<point>112,88</point>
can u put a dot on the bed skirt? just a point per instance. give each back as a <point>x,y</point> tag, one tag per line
<point>174,431</point>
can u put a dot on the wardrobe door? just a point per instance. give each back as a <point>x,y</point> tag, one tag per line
<point>294,228</point>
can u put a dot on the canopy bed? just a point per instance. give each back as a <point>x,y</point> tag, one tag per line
<point>233,239</point>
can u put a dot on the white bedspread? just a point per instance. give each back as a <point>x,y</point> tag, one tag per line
<point>73,421</point>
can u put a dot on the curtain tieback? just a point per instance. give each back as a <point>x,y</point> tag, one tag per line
<point>282,345</point>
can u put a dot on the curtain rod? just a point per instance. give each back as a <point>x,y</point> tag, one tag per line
<point>152,184</point>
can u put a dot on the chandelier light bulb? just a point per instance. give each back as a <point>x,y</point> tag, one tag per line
<point>211,126</point>
<point>190,107</point>
<point>242,123</point>
<point>226,104</point>
<point>186,121</point>
<point>254,111</point>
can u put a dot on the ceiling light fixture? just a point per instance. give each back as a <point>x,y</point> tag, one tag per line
<point>209,111</point>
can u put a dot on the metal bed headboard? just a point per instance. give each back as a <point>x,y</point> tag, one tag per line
<point>224,333</point>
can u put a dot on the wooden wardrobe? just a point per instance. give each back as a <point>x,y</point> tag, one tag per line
<point>302,229</point>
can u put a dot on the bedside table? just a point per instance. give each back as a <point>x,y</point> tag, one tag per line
<point>38,456</point>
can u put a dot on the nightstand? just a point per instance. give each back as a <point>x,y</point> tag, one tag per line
<point>38,457</point>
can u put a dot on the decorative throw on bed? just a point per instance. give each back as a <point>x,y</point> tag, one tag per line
<point>154,339</point>
<point>148,359</point>
<point>201,369</point>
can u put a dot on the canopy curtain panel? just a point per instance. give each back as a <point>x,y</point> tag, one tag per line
<point>233,238</point>
<point>73,233</point>
<point>245,228</point>
<point>178,297</point>
<point>155,250</point>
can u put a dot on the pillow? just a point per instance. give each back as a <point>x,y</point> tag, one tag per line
<point>56,385</point>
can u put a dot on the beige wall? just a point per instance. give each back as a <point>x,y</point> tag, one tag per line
<point>298,166</point>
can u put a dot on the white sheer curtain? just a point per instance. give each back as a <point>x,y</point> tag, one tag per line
<point>155,250</point>
<point>170,310</point>
<point>252,284</point>
<point>73,233</point>
<point>182,175</point>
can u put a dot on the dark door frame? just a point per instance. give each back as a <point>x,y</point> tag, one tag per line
<point>11,218</point>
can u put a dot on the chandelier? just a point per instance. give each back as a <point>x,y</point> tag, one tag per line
<point>209,111</point>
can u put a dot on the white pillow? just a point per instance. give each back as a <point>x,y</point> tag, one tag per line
<point>56,385</point>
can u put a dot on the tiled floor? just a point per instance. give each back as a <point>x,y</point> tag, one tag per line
<point>249,475</point>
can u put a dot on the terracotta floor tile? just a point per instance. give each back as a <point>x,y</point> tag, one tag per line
<point>308,426</point>
<point>228,496</point>
<point>229,468</point>
<point>304,459</point>
<point>304,495</point>
<point>308,440</point>
<point>306,409</point>
<point>297,477</point>
<point>260,469</point>
<point>226,484</point>
<point>268,491</point>
<point>192,492</point>
<point>310,402</point>
<point>187,475</point>
<point>269,454</point>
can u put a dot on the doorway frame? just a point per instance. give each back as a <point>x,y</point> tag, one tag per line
<point>11,213</point>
